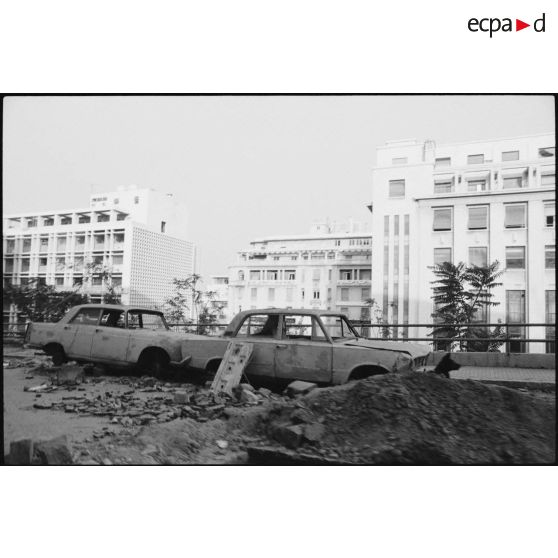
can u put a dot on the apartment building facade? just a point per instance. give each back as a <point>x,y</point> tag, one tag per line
<point>133,237</point>
<point>475,203</point>
<point>327,269</point>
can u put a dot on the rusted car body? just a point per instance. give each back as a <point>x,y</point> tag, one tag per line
<point>316,346</point>
<point>116,335</point>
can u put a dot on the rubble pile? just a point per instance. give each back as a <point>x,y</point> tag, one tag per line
<point>411,419</point>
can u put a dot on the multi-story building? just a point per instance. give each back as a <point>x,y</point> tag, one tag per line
<point>134,238</point>
<point>219,286</point>
<point>475,203</point>
<point>326,269</point>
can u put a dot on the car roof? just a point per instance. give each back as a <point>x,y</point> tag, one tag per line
<point>302,311</point>
<point>114,307</point>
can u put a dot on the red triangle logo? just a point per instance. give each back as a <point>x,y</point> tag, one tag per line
<point>519,25</point>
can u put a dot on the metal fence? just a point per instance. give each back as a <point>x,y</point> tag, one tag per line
<point>514,336</point>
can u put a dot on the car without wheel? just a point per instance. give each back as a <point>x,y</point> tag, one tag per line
<point>311,345</point>
<point>115,335</point>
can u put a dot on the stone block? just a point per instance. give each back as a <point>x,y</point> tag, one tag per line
<point>298,387</point>
<point>314,432</point>
<point>288,435</point>
<point>21,452</point>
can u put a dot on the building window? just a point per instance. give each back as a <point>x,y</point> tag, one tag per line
<point>61,244</point>
<point>442,219</point>
<point>97,281</point>
<point>475,159</point>
<point>116,201</point>
<point>365,293</point>
<point>290,274</point>
<point>549,214</point>
<point>550,256</point>
<point>442,162</point>
<point>345,274</point>
<point>302,294</point>
<point>48,222</point>
<point>255,275</point>
<point>121,216</point>
<point>550,318</point>
<point>66,220</point>
<point>478,217</point>
<point>548,180</point>
<point>32,222</point>
<point>365,274</point>
<point>84,219</point>
<point>316,295</point>
<point>136,200</point>
<point>116,281</point>
<point>119,238</point>
<point>515,257</point>
<point>253,293</point>
<point>396,188</point>
<point>515,217</point>
<point>43,244</point>
<point>241,275</point>
<point>26,245</point>
<point>163,226</point>
<point>103,218</point>
<point>399,161</point>
<point>512,182</point>
<point>443,187</point>
<point>272,274</point>
<point>337,243</point>
<point>477,185</point>
<point>345,294</point>
<point>117,259</point>
<point>10,245</point>
<point>442,255</point>
<point>59,281</point>
<point>316,274</point>
<point>510,155</point>
<point>25,265</point>
<point>478,255</point>
<point>80,242</point>
<point>547,152</point>
<point>515,314</point>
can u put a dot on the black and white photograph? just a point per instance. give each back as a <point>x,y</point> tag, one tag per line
<point>252,279</point>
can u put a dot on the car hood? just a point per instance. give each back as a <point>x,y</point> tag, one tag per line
<point>413,349</point>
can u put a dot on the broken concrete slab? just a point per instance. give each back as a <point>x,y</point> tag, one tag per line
<point>181,398</point>
<point>313,432</point>
<point>52,452</point>
<point>288,435</point>
<point>298,387</point>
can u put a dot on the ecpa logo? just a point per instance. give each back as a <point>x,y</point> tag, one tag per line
<point>494,24</point>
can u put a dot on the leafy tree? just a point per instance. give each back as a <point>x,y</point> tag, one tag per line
<point>190,298</point>
<point>40,302</point>
<point>462,296</point>
<point>377,317</point>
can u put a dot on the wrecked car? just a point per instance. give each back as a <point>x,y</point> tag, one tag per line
<point>311,345</point>
<point>110,334</point>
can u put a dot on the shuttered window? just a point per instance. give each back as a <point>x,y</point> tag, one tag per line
<point>515,216</point>
<point>396,188</point>
<point>442,219</point>
<point>478,255</point>
<point>478,218</point>
<point>515,257</point>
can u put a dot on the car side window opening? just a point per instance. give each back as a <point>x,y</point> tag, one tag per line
<point>302,327</point>
<point>259,325</point>
<point>86,316</point>
<point>146,320</point>
<point>338,327</point>
<point>112,318</point>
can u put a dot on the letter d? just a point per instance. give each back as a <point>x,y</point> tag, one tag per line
<point>535,25</point>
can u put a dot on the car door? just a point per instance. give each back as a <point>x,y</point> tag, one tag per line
<point>263,332</point>
<point>84,322</point>
<point>304,352</point>
<point>111,337</point>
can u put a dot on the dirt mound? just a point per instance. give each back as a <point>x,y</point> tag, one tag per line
<point>418,419</point>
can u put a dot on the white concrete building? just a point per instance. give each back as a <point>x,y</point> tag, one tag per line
<point>470,202</point>
<point>219,284</point>
<point>326,269</point>
<point>136,234</point>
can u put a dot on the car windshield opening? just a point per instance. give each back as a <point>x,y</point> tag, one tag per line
<point>338,328</point>
<point>146,320</point>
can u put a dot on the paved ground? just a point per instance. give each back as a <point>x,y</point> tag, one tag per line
<point>505,374</point>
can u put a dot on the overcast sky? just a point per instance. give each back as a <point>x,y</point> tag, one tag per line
<point>246,167</point>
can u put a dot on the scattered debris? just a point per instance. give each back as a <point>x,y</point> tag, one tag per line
<point>299,387</point>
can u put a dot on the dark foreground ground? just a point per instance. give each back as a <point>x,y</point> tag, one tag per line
<point>112,418</point>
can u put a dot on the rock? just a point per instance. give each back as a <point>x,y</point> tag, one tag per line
<point>21,452</point>
<point>34,389</point>
<point>181,398</point>
<point>298,387</point>
<point>288,435</point>
<point>69,409</point>
<point>300,416</point>
<point>314,432</point>
<point>150,449</point>
<point>249,397</point>
<point>223,444</point>
<point>106,461</point>
<point>53,452</point>
<point>88,462</point>
<point>42,405</point>
<point>69,374</point>
<point>264,392</point>
<point>247,387</point>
